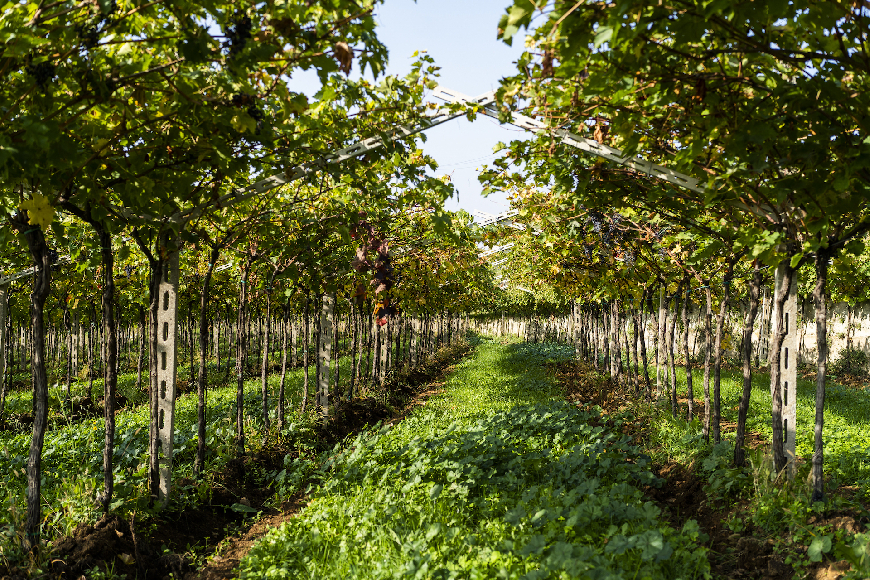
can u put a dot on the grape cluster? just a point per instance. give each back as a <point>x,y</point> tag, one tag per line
<point>43,73</point>
<point>613,233</point>
<point>89,36</point>
<point>255,113</point>
<point>241,100</point>
<point>597,220</point>
<point>238,33</point>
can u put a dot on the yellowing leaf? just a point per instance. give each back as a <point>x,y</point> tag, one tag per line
<point>39,211</point>
<point>243,122</point>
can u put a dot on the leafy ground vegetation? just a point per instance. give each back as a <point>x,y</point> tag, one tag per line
<point>495,477</point>
<point>699,174</point>
<point>759,525</point>
<point>139,541</point>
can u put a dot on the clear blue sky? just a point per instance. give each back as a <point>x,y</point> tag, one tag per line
<point>461,37</point>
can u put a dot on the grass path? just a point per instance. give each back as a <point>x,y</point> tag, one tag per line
<point>847,420</point>
<point>495,477</point>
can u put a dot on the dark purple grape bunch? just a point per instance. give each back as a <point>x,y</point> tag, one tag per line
<point>41,72</point>
<point>596,220</point>
<point>238,33</point>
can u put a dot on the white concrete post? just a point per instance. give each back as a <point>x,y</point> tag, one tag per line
<point>660,350</point>
<point>415,331</point>
<point>4,302</point>
<point>384,338</point>
<point>327,314</point>
<point>788,368</point>
<point>75,342</point>
<point>167,326</point>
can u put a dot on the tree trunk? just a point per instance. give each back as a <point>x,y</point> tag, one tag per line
<point>91,325</point>
<point>110,376</point>
<point>376,355</point>
<point>336,350</point>
<point>672,367</point>
<point>640,329</point>
<point>306,342</point>
<point>708,344</point>
<point>41,288</point>
<point>4,342</point>
<point>199,462</point>
<point>748,326</point>
<point>141,349</point>
<point>284,333</point>
<point>848,326</point>
<point>661,325</point>
<point>717,353</point>
<point>67,318</point>
<point>690,392</point>
<point>264,367</point>
<point>629,371</point>
<point>821,302</point>
<point>633,313</point>
<point>241,352</point>
<point>354,369</point>
<point>597,338</point>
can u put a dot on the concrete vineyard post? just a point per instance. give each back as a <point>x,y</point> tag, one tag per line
<point>167,326</point>
<point>384,352</point>
<point>327,314</point>
<point>75,341</point>
<point>660,339</point>
<point>4,302</point>
<point>788,367</point>
<point>415,330</point>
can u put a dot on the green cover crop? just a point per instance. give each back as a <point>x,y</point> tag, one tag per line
<point>493,478</point>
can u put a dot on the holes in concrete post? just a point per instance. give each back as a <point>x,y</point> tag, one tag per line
<point>785,431</point>
<point>785,393</point>
<point>786,322</point>
<point>166,300</point>
<point>786,357</point>
<point>160,426</point>
<point>163,360</point>
<point>162,389</point>
<point>165,331</point>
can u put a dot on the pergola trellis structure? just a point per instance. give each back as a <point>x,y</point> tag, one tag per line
<point>485,104</point>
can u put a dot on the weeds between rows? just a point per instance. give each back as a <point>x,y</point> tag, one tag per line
<point>494,477</point>
<point>760,524</point>
<point>204,511</point>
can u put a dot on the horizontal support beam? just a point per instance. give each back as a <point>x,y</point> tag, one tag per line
<point>28,272</point>
<point>589,145</point>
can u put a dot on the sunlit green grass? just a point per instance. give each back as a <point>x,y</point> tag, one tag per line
<point>847,419</point>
